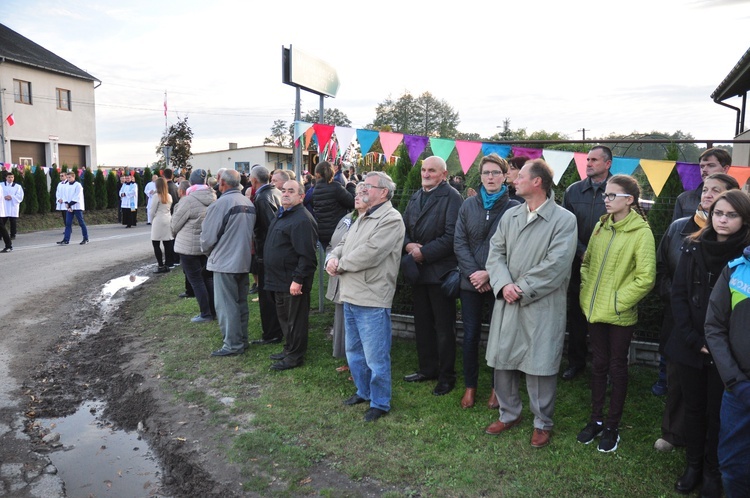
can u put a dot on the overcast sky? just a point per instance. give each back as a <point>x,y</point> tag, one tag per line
<point>605,66</point>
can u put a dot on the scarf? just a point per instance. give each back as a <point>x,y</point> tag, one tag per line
<point>700,217</point>
<point>717,254</point>
<point>488,199</point>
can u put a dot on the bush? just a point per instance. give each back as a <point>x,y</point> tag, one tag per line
<point>113,189</point>
<point>54,176</point>
<point>30,204</point>
<point>100,190</point>
<point>89,195</point>
<point>42,195</point>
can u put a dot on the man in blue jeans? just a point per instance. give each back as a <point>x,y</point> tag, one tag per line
<point>367,262</point>
<point>73,200</point>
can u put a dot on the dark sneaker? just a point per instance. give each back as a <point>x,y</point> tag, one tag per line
<point>84,242</point>
<point>7,249</point>
<point>589,432</point>
<point>608,442</point>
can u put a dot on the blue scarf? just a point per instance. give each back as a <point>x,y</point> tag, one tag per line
<point>488,199</point>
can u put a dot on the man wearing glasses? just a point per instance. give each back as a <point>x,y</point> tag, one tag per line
<point>366,262</point>
<point>584,199</point>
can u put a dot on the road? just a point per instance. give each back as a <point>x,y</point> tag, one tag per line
<point>38,275</point>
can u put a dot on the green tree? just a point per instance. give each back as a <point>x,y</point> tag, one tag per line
<point>30,204</point>
<point>138,179</point>
<point>280,135</point>
<point>331,116</point>
<point>89,190</point>
<point>100,190</point>
<point>424,115</point>
<point>113,189</point>
<point>54,176</point>
<point>42,194</point>
<point>179,136</point>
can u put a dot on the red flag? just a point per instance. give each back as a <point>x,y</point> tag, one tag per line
<point>165,104</point>
<point>10,119</point>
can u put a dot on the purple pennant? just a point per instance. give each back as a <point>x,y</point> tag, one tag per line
<point>525,151</point>
<point>415,144</point>
<point>690,175</point>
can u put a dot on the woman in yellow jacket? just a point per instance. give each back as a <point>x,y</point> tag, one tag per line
<point>618,270</point>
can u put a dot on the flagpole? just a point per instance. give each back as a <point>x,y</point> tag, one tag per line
<point>2,127</point>
<point>165,111</point>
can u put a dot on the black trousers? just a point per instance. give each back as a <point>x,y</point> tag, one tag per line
<point>5,236</point>
<point>269,320</point>
<point>13,225</point>
<point>293,313</point>
<point>435,330</point>
<point>578,326</point>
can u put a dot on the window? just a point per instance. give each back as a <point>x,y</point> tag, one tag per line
<point>22,91</point>
<point>63,99</point>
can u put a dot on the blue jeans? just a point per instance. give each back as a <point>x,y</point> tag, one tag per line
<point>472,307</point>
<point>230,294</point>
<point>368,352</point>
<point>734,446</point>
<point>69,224</point>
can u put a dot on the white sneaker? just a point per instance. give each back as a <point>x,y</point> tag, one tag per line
<point>663,445</point>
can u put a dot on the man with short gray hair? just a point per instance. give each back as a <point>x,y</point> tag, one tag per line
<point>227,236</point>
<point>367,262</point>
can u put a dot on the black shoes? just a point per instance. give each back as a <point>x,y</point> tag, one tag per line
<point>572,372</point>
<point>285,365</point>
<point>84,242</point>
<point>373,414</point>
<point>417,377</point>
<point>185,295</point>
<point>7,249</point>
<point>63,243</point>
<point>689,480</point>
<point>355,400</point>
<point>160,269</point>
<point>442,388</point>
<point>253,289</point>
<point>278,356</point>
<point>263,342</point>
<point>226,352</point>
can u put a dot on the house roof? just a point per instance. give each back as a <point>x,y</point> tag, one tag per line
<point>737,82</point>
<point>19,49</point>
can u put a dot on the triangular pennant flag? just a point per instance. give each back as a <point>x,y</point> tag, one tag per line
<point>499,149</point>
<point>415,145</point>
<point>624,165</point>
<point>657,173</point>
<point>366,138</point>
<point>389,141</point>
<point>323,132</point>
<point>581,159</point>
<point>344,135</point>
<point>690,175</point>
<point>525,151</point>
<point>308,136</point>
<point>300,127</point>
<point>740,173</point>
<point>442,147</point>
<point>558,160</point>
<point>467,152</point>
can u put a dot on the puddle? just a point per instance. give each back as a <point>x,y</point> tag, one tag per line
<point>95,460</point>
<point>107,299</point>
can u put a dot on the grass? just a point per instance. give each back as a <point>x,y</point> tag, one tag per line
<point>290,422</point>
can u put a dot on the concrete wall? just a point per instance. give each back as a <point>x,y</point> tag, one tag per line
<point>41,120</point>
<point>241,158</point>
<point>741,152</point>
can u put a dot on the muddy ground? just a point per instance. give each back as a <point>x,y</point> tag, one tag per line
<point>65,365</point>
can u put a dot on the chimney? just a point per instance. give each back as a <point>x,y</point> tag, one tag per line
<point>232,145</point>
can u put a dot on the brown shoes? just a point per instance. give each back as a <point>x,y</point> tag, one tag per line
<point>468,400</point>
<point>540,438</point>
<point>497,426</point>
<point>493,403</point>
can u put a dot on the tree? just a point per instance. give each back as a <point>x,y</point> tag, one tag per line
<point>424,115</point>
<point>179,136</point>
<point>30,204</point>
<point>280,135</point>
<point>331,116</point>
<point>113,190</point>
<point>42,195</point>
<point>89,192</point>
<point>54,176</point>
<point>100,190</point>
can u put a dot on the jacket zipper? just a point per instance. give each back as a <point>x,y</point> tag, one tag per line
<point>601,270</point>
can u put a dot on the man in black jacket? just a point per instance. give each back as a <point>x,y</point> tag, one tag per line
<point>290,261</point>
<point>267,203</point>
<point>430,220</point>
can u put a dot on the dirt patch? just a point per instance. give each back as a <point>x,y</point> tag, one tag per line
<point>118,365</point>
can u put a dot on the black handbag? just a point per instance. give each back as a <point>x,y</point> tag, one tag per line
<point>451,283</point>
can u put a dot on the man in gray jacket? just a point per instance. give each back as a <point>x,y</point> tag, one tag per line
<point>227,235</point>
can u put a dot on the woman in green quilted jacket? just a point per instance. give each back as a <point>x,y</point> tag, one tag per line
<point>618,270</point>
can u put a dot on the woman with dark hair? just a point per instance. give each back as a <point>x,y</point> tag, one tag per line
<point>330,201</point>
<point>617,271</point>
<point>514,166</point>
<point>476,224</point>
<point>667,256</point>
<point>703,256</point>
<point>161,232</point>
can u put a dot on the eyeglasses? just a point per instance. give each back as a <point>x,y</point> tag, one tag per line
<point>612,197</point>
<point>731,215</point>
<point>492,173</point>
<point>367,186</point>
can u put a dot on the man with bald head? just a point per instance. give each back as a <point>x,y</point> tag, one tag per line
<point>430,220</point>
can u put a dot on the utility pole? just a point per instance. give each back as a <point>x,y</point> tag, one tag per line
<point>584,130</point>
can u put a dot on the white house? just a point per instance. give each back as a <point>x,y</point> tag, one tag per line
<point>51,102</point>
<point>737,84</point>
<point>244,158</point>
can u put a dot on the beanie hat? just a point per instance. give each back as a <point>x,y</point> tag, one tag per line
<point>198,177</point>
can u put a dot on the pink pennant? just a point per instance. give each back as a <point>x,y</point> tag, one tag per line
<point>580,159</point>
<point>308,136</point>
<point>389,141</point>
<point>467,153</point>
<point>324,132</point>
<point>740,173</point>
<point>525,151</point>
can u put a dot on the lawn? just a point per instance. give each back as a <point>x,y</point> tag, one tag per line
<point>427,446</point>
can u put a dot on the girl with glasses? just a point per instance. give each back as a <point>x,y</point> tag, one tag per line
<point>617,271</point>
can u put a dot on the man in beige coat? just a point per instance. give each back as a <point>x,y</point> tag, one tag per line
<point>367,262</point>
<point>529,265</point>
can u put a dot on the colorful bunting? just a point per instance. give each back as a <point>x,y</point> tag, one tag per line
<point>323,132</point>
<point>740,173</point>
<point>415,145</point>
<point>366,138</point>
<point>467,152</point>
<point>389,141</point>
<point>624,165</point>
<point>344,136</point>
<point>657,173</point>
<point>300,127</point>
<point>442,147</point>
<point>581,158</point>
<point>690,175</point>
<point>308,136</point>
<point>501,150</point>
<point>558,160</point>
<point>525,151</point>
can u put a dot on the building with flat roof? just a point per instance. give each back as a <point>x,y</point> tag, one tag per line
<point>244,158</point>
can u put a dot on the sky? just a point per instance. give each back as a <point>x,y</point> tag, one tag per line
<point>603,66</point>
